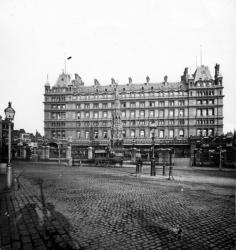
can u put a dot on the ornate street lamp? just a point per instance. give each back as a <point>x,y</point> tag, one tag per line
<point>153,167</point>
<point>10,113</point>
<point>59,145</point>
<point>133,150</point>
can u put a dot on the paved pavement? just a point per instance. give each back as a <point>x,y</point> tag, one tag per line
<point>58,207</point>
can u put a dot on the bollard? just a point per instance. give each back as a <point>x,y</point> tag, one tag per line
<point>137,168</point>
<point>164,170</point>
<point>171,173</point>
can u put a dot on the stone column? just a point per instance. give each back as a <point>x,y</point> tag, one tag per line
<point>69,156</point>
<point>43,153</point>
<point>47,153</point>
<point>134,154</point>
<point>90,153</point>
<point>24,153</point>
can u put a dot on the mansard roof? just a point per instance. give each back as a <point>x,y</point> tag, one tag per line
<point>134,87</point>
<point>202,73</point>
<point>63,80</point>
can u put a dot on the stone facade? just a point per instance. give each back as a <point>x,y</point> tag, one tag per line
<point>190,107</point>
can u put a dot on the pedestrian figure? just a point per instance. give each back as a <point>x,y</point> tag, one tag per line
<point>171,173</point>
<point>17,185</point>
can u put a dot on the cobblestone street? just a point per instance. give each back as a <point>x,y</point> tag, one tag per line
<point>58,207</point>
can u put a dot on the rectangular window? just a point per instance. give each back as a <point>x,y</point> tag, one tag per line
<point>133,105</point>
<point>104,105</point>
<point>211,101</point>
<point>95,134</point>
<point>132,123</point>
<point>142,122</point>
<point>181,122</point>
<point>161,133</point>
<point>171,122</point>
<point>95,105</point>
<point>171,133</point>
<point>132,133</point>
<point>181,103</point>
<point>151,113</point>
<point>161,122</point>
<point>104,114</point>
<point>199,132</point>
<point>142,133</point>
<point>171,112</point>
<point>53,115</point>
<point>142,113</point>
<point>199,102</point>
<point>181,133</point>
<point>210,132</point>
<point>86,106</point>
<point>63,115</point>
<point>87,134</point>
<point>78,134</point>
<point>210,112</point>
<point>181,112</point>
<point>204,112</point>
<point>151,104</point>
<point>124,134</point>
<point>204,132</point>
<point>142,105</point>
<point>132,113</point>
<point>199,113</point>
<point>161,104</point>
<point>171,103</point>
<point>86,114</point>
<point>63,134</point>
<point>123,114</point>
<point>161,113</point>
<point>96,115</point>
<point>123,104</point>
<point>104,134</point>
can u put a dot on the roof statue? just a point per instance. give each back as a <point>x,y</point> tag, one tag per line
<point>147,79</point>
<point>96,82</point>
<point>130,80</point>
<point>165,79</point>
<point>113,82</point>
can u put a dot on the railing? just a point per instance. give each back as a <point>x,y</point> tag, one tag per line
<point>132,141</point>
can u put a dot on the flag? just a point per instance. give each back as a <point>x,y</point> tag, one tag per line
<point>68,58</point>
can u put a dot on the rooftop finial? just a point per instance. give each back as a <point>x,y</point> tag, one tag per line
<point>201,55</point>
<point>165,78</point>
<point>130,80</point>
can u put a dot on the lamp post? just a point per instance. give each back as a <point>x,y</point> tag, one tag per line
<point>153,167</point>
<point>10,113</point>
<point>220,156</point>
<point>59,144</point>
<point>133,151</point>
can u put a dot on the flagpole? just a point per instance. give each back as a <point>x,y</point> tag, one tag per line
<point>65,66</point>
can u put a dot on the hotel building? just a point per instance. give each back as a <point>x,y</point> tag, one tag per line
<point>84,114</point>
